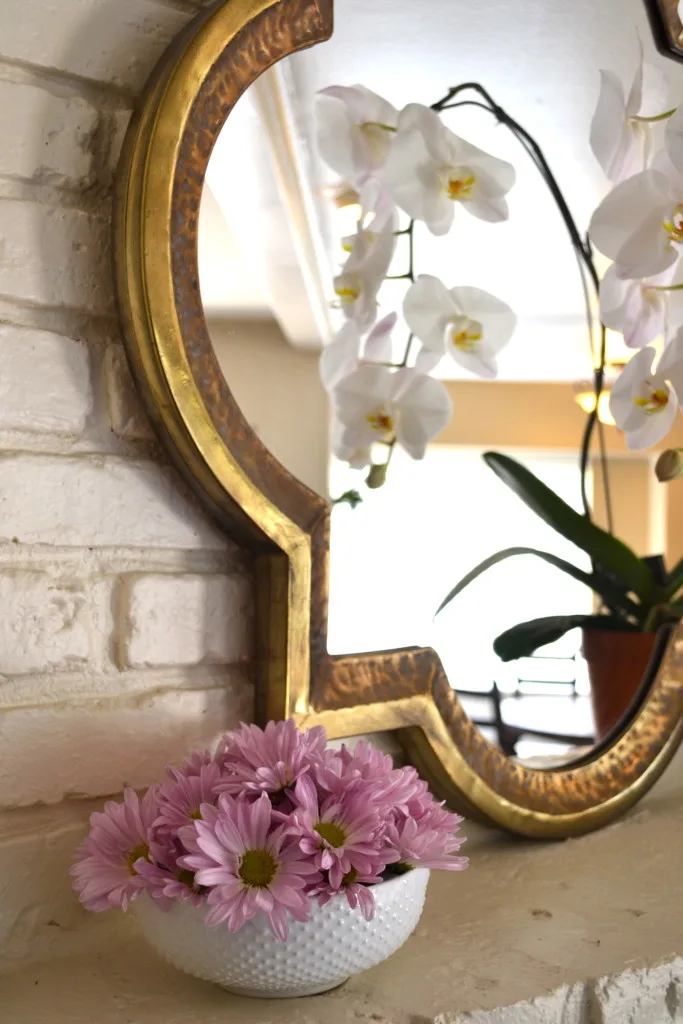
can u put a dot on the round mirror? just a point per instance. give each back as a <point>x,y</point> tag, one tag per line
<point>280,227</point>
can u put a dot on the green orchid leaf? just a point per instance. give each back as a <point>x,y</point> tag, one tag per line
<point>522,640</point>
<point>606,551</point>
<point>612,593</point>
<point>675,580</point>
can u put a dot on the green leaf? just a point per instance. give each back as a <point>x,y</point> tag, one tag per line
<point>612,593</point>
<point>675,580</point>
<point>521,641</point>
<point>605,550</point>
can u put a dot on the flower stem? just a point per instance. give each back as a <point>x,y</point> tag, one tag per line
<point>584,255</point>
<point>657,117</point>
<point>664,287</point>
<point>378,124</point>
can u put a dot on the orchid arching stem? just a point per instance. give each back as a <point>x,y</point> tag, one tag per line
<point>583,252</point>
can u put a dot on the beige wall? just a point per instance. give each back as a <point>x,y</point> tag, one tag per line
<point>278,389</point>
<point>647,515</point>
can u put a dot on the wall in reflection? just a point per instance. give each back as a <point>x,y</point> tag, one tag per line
<point>279,392</point>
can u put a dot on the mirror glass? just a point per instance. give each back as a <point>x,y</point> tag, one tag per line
<point>274,236</point>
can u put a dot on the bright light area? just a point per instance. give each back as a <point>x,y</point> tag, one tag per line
<point>396,556</point>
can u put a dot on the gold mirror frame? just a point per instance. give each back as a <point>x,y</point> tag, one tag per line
<point>267,510</point>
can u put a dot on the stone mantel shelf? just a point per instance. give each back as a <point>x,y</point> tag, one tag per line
<point>537,924</point>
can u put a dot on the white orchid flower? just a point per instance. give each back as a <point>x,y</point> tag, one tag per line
<point>469,325</point>
<point>639,224</point>
<point>346,351</point>
<point>644,403</point>
<point>429,170</point>
<point>356,457</point>
<point>618,139</point>
<point>370,254</point>
<point>640,310</point>
<point>378,404</point>
<point>356,128</point>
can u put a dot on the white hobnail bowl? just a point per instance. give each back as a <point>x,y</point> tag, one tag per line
<point>318,955</point>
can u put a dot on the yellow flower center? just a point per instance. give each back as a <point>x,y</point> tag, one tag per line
<point>347,294</point>
<point>142,850</point>
<point>465,333</point>
<point>674,226</point>
<point>186,877</point>
<point>351,877</point>
<point>657,400</point>
<point>381,421</point>
<point>459,184</point>
<point>196,815</point>
<point>332,833</point>
<point>257,868</point>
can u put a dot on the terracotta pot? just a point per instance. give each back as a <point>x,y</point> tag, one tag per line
<point>617,663</point>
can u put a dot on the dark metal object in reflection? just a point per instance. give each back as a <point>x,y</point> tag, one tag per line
<point>508,734</point>
<point>666,26</point>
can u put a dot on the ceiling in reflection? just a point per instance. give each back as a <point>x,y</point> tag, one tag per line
<point>274,243</point>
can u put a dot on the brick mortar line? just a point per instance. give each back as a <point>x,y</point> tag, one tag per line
<point>79,325</point>
<point>59,446</point>
<point>116,561</point>
<point>102,94</point>
<point>146,684</point>
<point>95,202</point>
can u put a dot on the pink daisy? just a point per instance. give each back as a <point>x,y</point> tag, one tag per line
<point>342,834</point>
<point>180,799</point>
<point>250,866</point>
<point>354,887</point>
<point>416,846</point>
<point>369,769</point>
<point>106,874</point>
<point>269,760</point>
<point>195,761</point>
<point>167,880</point>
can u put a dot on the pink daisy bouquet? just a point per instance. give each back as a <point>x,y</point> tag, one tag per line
<point>270,823</point>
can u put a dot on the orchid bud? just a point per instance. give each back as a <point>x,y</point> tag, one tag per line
<point>669,465</point>
<point>377,475</point>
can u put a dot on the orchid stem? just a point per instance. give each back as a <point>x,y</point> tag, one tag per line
<point>584,255</point>
<point>657,117</point>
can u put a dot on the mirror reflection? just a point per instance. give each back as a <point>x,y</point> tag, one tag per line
<point>401,295</point>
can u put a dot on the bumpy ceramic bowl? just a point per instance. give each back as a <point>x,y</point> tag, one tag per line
<point>319,955</point>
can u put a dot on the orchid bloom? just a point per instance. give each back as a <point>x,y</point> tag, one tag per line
<point>644,403</point>
<point>370,254</point>
<point>430,169</point>
<point>346,351</point>
<point>355,130</point>
<point>618,139</point>
<point>640,310</point>
<point>378,404</point>
<point>355,456</point>
<point>469,325</point>
<point>639,224</point>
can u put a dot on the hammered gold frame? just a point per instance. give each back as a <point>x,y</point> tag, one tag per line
<point>666,26</point>
<point>267,510</point>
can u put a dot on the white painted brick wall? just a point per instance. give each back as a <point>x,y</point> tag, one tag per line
<point>128,419</point>
<point>107,502</point>
<point>125,633</point>
<point>44,382</point>
<point>184,620</point>
<point>44,623</point>
<point>55,256</point>
<point>115,41</point>
<point>60,152</point>
<point>52,752</point>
